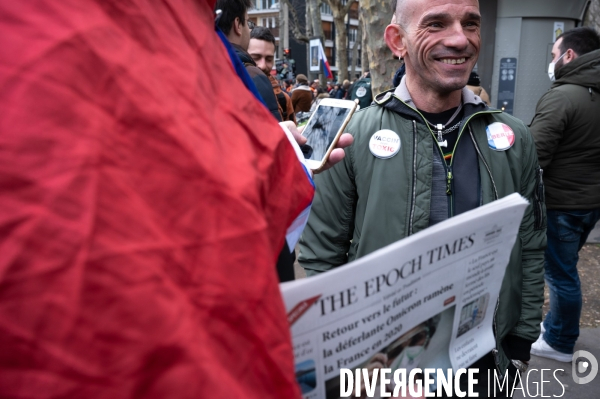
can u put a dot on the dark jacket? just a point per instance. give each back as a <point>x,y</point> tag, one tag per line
<point>261,81</point>
<point>566,129</point>
<point>341,93</point>
<point>365,203</point>
<point>361,91</point>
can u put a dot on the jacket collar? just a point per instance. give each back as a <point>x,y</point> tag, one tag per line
<point>243,54</point>
<point>303,87</point>
<point>401,102</point>
<point>582,71</point>
<point>401,92</point>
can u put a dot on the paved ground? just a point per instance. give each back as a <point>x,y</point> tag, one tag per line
<point>589,340</point>
<point>595,235</point>
<point>554,371</point>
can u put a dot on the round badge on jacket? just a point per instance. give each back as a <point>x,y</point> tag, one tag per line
<point>384,143</point>
<point>500,136</point>
<point>361,92</point>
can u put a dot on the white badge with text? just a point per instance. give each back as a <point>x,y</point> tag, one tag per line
<point>384,144</point>
<point>500,136</point>
<point>361,91</point>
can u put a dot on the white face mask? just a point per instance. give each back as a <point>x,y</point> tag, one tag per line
<point>551,68</point>
<point>409,358</point>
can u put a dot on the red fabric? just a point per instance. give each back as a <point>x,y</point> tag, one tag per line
<point>144,198</point>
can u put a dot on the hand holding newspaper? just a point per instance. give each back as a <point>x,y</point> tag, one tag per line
<point>426,301</point>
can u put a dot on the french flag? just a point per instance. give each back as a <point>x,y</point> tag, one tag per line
<point>324,61</point>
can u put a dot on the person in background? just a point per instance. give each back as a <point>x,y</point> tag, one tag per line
<point>236,26</point>
<point>262,51</point>
<point>302,96</point>
<point>334,90</point>
<point>361,91</point>
<point>400,72</point>
<point>444,164</point>
<point>343,90</point>
<point>566,132</point>
<point>289,85</point>
<point>474,84</point>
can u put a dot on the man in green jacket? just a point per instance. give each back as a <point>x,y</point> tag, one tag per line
<point>565,129</point>
<point>444,153</point>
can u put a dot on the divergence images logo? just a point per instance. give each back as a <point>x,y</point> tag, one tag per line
<point>589,363</point>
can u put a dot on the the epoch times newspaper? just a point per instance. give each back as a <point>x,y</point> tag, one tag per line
<point>427,301</point>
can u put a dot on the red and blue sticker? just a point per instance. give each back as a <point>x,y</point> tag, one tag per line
<point>500,136</point>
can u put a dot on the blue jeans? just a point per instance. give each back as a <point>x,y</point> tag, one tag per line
<point>567,232</point>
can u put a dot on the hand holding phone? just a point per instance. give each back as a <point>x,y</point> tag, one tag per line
<point>324,129</point>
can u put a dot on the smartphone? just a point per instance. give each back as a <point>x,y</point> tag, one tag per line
<point>324,129</point>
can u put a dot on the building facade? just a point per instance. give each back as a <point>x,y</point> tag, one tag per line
<point>268,13</point>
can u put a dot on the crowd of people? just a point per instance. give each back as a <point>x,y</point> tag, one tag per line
<point>152,184</point>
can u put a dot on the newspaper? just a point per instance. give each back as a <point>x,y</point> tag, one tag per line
<point>426,301</point>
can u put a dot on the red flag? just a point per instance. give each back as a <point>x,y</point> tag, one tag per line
<point>144,198</point>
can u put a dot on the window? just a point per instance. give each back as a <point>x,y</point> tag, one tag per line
<point>270,22</point>
<point>328,30</point>
<point>325,9</point>
<point>329,53</point>
<point>264,4</point>
<point>352,33</point>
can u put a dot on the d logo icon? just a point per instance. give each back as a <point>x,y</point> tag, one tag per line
<point>590,363</point>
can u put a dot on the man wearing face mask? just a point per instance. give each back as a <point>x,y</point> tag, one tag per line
<point>565,129</point>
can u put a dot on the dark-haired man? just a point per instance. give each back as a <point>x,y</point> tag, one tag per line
<point>453,154</point>
<point>262,51</point>
<point>565,129</point>
<point>236,26</point>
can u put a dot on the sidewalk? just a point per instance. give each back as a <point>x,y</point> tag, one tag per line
<point>594,237</point>
<point>589,340</point>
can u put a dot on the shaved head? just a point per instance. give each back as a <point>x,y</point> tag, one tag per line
<point>402,12</point>
<point>439,41</point>
<point>400,16</point>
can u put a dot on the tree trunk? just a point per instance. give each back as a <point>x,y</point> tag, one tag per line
<point>340,11</point>
<point>341,45</point>
<point>317,30</point>
<point>377,15</point>
<point>355,50</point>
<point>592,18</point>
<point>364,54</point>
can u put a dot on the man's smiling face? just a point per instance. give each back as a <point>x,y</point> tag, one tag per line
<point>263,53</point>
<point>441,39</point>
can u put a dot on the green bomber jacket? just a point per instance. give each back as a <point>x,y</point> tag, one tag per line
<point>365,203</point>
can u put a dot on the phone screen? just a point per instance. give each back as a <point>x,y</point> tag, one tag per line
<point>322,129</point>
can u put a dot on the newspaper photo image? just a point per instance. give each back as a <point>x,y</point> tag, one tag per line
<point>424,345</point>
<point>426,301</point>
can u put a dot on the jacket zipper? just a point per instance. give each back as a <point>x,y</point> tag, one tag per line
<point>538,198</point>
<point>414,186</point>
<point>449,179</point>
<point>448,168</point>
<point>484,163</point>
